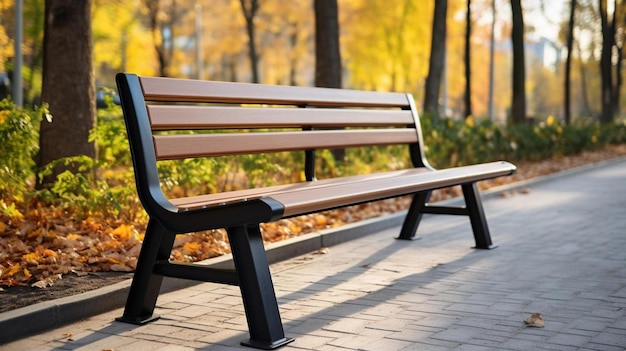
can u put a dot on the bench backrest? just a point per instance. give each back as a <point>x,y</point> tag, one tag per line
<point>300,118</point>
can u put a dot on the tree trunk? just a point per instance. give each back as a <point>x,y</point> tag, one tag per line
<point>468,64</point>
<point>568,64</point>
<point>327,52</point>
<point>250,10</point>
<point>492,61</point>
<point>618,19</point>
<point>518,106</point>
<point>437,58</point>
<point>583,82</point>
<point>157,35</point>
<point>68,83</point>
<point>605,66</point>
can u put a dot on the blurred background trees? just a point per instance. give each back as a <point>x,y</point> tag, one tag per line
<point>382,46</point>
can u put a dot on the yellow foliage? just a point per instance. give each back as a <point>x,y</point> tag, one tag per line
<point>386,43</point>
<point>10,210</point>
<point>6,49</point>
<point>191,247</point>
<point>122,43</point>
<point>49,253</point>
<point>4,114</point>
<point>113,260</point>
<point>73,236</point>
<point>13,269</point>
<point>123,233</point>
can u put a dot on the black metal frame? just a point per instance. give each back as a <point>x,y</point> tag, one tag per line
<point>241,221</point>
<point>473,208</point>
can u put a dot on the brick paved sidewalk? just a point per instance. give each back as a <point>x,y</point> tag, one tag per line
<point>562,254</point>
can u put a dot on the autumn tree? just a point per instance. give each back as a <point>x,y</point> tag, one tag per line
<point>518,106</point>
<point>250,9</point>
<point>384,46</point>
<point>68,83</point>
<point>163,18</point>
<point>618,27</point>
<point>123,41</point>
<point>5,48</point>
<point>492,63</point>
<point>468,61</point>
<point>587,19</point>
<point>605,65</point>
<point>437,58</point>
<point>568,64</point>
<point>327,53</point>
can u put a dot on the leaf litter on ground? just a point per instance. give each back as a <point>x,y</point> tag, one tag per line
<point>39,245</point>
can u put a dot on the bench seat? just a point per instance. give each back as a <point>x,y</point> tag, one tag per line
<point>309,197</point>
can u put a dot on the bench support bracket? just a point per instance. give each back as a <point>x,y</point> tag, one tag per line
<point>414,216</point>
<point>473,208</point>
<point>477,217</point>
<point>257,290</point>
<point>145,287</point>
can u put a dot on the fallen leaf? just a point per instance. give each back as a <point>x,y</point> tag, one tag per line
<point>322,251</point>
<point>44,283</point>
<point>535,321</point>
<point>120,268</point>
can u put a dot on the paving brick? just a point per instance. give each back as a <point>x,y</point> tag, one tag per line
<point>611,339</point>
<point>558,256</point>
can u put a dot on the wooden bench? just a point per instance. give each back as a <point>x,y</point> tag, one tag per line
<point>283,119</point>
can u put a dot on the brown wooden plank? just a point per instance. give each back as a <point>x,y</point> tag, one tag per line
<point>315,196</point>
<point>196,202</point>
<point>349,193</point>
<point>214,117</point>
<point>169,89</point>
<point>201,145</point>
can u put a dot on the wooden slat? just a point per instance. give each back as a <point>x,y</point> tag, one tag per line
<point>320,195</point>
<point>349,193</point>
<point>213,117</point>
<point>196,202</point>
<point>209,200</point>
<point>169,89</point>
<point>200,145</point>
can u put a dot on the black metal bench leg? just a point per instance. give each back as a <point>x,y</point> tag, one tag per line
<point>144,289</point>
<point>414,216</point>
<point>477,216</point>
<point>257,290</point>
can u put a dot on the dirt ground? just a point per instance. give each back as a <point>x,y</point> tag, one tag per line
<point>71,284</point>
<point>20,296</point>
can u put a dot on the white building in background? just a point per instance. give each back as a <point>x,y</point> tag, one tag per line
<point>547,52</point>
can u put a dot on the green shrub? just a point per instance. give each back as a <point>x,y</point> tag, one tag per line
<point>19,133</point>
<point>452,143</point>
<point>105,186</point>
